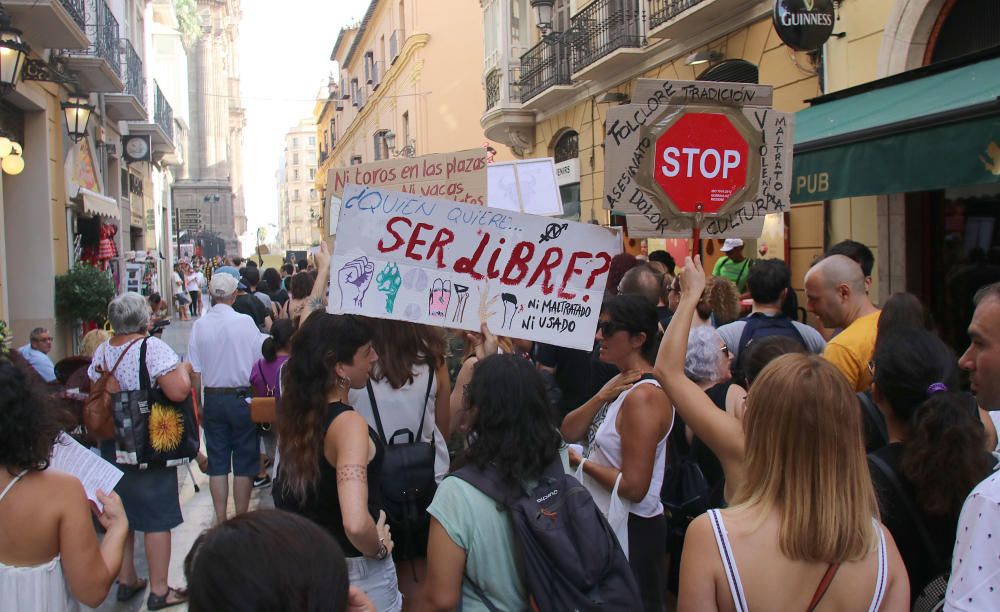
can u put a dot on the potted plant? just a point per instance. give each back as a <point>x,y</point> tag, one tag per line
<point>83,294</point>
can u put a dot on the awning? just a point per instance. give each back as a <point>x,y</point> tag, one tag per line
<point>97,204</point>
<point>930,128</point>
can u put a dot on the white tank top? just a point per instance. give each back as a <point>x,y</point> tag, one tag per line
<point>607,450</point>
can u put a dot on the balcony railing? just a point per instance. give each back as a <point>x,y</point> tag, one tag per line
<point>602,27</point>
<point>543,66</point>
<point>77,11</point>
<point>495,87</point>
<point>662,11</point>
<point>135,83</point>
<point>103,33</point>
<point>163,114</point>
<point>396,41</point>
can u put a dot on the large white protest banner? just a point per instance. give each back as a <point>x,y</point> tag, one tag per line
<point>443,263</point>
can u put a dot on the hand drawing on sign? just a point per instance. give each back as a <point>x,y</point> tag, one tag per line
<point>440,297</point>
<point>509,308</point>
<point>486,302</point>
<point>389,281</point>
<point>354,279</point>
<point>462,293</point>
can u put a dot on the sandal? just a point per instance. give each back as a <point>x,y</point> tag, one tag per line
<point>128,591</point>
<point>158,602</point>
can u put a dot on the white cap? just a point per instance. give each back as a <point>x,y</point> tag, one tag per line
<point>730,244</point>
<point>222,285</point>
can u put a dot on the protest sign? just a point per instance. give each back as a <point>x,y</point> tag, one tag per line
<point>528,186</point>
<point>449,264</point>
<point>133,277</point>
<point>458,176</point>
<point>630,151</point>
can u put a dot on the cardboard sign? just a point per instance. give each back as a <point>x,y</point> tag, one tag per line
<point>528,186</point>
<point>458,176</point>
<point>437,262</point>
<point>133,277</point>
<point>628,151</point>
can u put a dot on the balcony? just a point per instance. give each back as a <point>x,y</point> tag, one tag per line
<point>545,73</point>
<point>396,40</point>
<point>129,105</point>
<point>161,130</point>
<point>50,24</point>
<point>679,19</point>
<point>605,38</point>
<point>375,74</point>
<point>99,66</point>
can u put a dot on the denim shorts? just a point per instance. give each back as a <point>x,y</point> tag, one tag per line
<point>378,580</point>
<point>230,436</point>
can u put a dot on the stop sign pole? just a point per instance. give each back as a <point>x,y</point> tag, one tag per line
<point>705,161</point>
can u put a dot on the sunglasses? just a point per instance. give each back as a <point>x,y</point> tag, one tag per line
<point>725,350</point>
<point>609,328</point>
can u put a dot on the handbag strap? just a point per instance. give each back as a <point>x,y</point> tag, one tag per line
<point>423,412</point>
<point>490,606</point>
<point>824,584</point>
<point>120,357</point>
<point>915,518</point>
<point>143,370</point>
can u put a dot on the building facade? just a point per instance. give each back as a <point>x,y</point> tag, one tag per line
<point>400,82</point>
<point>300,207</point>
<point>209,193</point>
<point>549,95</point>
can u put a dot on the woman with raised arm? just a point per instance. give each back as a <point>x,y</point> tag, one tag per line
<point>629,435</point>
<point>330,458</point>
<point>801,531</point>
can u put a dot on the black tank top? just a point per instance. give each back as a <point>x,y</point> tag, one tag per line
<point>322,504</point>
<point>706,459</point>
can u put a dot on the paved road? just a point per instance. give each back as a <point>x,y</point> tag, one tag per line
<point>196,506</point>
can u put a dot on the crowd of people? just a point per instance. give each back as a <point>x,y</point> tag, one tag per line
<point>736,459</point>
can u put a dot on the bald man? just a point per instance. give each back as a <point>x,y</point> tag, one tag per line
<point>835,292</point>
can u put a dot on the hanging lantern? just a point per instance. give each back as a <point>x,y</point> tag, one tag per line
<point>5,146</point>
<point>13,164</point>
<point>13,52</point>
<point>77,109</point>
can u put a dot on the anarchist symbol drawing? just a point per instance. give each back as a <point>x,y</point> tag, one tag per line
<point>552,231</point>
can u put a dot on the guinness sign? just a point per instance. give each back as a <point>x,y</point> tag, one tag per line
<point>804,25</point>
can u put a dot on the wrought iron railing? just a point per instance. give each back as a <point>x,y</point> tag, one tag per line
<point>661,11</point>
<point>494,81</point>
<point>495,87</point>
<point>543,66</point>
<point>102,30</point>
<point>602,27</point>
<point>135,82</point>
<point>163,114</point>
<point>77,11</point>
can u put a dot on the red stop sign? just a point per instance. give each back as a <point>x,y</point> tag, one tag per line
<point>701,158</point>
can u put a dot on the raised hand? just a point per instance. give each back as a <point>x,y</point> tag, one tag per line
<point>692,277</point>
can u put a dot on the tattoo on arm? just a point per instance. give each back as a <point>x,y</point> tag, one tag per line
<point>316,303</point>
<point>352,472</point>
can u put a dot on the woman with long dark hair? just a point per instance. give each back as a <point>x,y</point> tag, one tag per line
<point>936,453</point>
<point>330,458</point>
<point>626,428</point>
<point>410,388</point>
<point>264,382</point>
<point>471,541</point>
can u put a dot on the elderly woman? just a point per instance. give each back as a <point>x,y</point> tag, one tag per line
<point>149,496</point>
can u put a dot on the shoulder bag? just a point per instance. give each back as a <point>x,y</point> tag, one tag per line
<point>263,410</point>
<point>98,409</point>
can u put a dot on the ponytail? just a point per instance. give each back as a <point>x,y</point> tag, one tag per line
<point>281,335</point>
<point>945,456</point>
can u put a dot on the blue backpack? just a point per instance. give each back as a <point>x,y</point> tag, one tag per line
<point>759,325</point>
<point>570,557</point>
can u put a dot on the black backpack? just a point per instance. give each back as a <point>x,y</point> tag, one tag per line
<point>570,557</point>
<point>760,325</point>
<point>407,482</point>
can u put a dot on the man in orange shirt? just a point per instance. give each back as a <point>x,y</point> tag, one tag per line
<point>835,292</point>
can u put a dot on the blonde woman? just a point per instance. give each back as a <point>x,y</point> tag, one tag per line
<point>801,531</point>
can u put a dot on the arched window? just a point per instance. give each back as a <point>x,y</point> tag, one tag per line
<point>963,28</point>
<point>567,147</point>
<point>566,153</point>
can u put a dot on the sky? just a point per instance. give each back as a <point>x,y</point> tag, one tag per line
<point>284,61</point>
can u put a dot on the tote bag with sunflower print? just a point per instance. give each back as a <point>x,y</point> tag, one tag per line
<point>150,429</point>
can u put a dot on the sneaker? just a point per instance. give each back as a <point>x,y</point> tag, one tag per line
<point>261,481</point>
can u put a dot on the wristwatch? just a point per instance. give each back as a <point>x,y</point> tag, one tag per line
<point>383,552</point>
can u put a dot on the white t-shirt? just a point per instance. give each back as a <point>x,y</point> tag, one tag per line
<point>178,283</point>
<point>160,360</point>
<point>194,281</point>
<point>975,566</point>
<point>400,409</point>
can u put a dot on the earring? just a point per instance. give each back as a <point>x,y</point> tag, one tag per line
<point>344,383</point>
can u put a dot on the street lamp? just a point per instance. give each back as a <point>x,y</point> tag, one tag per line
<point>77,109</point>
<point>407,151</point>
<point>13,51</point>
<point>543,14</point>
<point>210,200</point>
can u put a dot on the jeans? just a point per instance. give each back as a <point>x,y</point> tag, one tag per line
<point>378,580</point>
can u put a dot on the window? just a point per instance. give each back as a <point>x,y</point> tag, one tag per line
<point>406,128</point>
<point>355,95</point>
<point>296,196</point>
<point>380,146</point>
<point>295,174</point>
<point>560,16</point>
<point>355,160</point>
<point>295,143</point>
<point>370,76</point>
<point>312,173</point>
<point>312,194</point>
<point>312,140</point>
<point>295,159</point>
<point>519,23</point>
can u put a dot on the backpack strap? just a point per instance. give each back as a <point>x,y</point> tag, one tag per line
<point>746,263</point>
<point>143,370</point>
<point>427,396</point>
<point>874,416</point>
<point>904,500</point>
<point>378,419</point>
<point>480,593</point>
